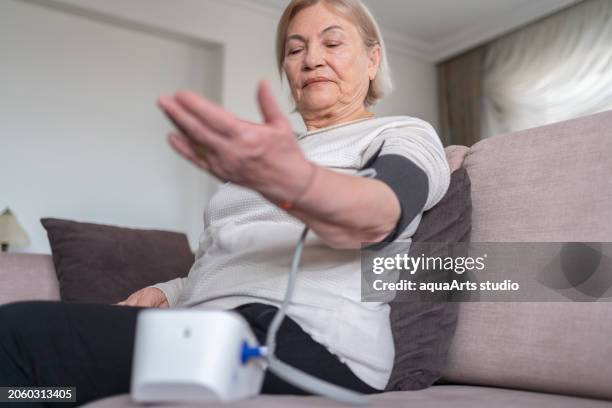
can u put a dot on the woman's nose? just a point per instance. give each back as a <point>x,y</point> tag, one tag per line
<point>313,58</point>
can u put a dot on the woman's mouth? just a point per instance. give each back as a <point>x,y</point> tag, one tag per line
<point>315,81</point>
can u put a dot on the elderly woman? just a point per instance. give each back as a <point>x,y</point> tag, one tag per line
<point>332,54</point>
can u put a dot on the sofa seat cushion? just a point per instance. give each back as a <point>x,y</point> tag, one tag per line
<point>439,396</point>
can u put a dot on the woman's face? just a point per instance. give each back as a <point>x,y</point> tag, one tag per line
<point>328,66</point>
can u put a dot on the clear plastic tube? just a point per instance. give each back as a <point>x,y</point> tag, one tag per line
<point>290,374</point>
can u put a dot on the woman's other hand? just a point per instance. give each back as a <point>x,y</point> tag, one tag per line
<point>146,297</point>
<point>265,157</point>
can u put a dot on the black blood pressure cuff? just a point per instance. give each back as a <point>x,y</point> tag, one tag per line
<point>409,183</point>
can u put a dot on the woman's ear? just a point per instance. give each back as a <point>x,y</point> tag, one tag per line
<point>373,61</point>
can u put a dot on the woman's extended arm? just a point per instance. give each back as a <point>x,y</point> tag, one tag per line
<point>412,172</point>
<point>399,191</point>
<point>343,210</point>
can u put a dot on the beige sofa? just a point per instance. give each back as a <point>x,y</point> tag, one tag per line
<point>552,183</point>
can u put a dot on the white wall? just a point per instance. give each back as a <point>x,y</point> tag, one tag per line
<point>60,167</point>
<point>415,91</point>
<point>246,32</point>
<point>81,136</point>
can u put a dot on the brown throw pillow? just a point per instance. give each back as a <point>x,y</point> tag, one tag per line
<point>422,331</point>
<point>104,264</point>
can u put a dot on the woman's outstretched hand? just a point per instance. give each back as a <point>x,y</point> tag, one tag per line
<point>146,297</point>
<point>262,156</point>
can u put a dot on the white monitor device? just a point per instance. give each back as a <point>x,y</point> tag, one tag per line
<point>194,355</point>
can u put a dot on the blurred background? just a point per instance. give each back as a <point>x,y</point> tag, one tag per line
<point>82,139</point>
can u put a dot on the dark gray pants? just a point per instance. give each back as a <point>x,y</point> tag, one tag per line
<point>89,346</point>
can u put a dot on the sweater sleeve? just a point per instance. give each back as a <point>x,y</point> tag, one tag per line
<point>172,289</point>
<point>418,142</point>
<point>411,160</point>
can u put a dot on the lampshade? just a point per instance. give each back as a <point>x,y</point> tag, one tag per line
<point>11,232</point>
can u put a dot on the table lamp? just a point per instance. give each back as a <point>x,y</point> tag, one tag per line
<point>11,233</point>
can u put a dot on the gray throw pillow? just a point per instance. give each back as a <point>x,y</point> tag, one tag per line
<point>422,331</point>
<point>98,263</point>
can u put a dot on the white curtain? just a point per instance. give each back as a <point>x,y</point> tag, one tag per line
<point>555,69</point>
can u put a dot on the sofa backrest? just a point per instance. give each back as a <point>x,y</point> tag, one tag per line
<point>26,277</point>
<point>547,184</point>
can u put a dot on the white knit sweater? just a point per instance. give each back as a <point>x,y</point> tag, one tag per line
<point>247,244</point>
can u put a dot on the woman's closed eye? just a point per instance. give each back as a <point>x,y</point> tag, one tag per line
<point>328,45</point>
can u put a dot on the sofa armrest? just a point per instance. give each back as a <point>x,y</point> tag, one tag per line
<point>27,277</point>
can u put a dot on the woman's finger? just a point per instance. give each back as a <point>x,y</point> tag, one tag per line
<point>249,122</point>
<point>268,106</point>
<point>182,146</point>
<point>210,113</point>
<point>199,150</point>
<point>190,125</point>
